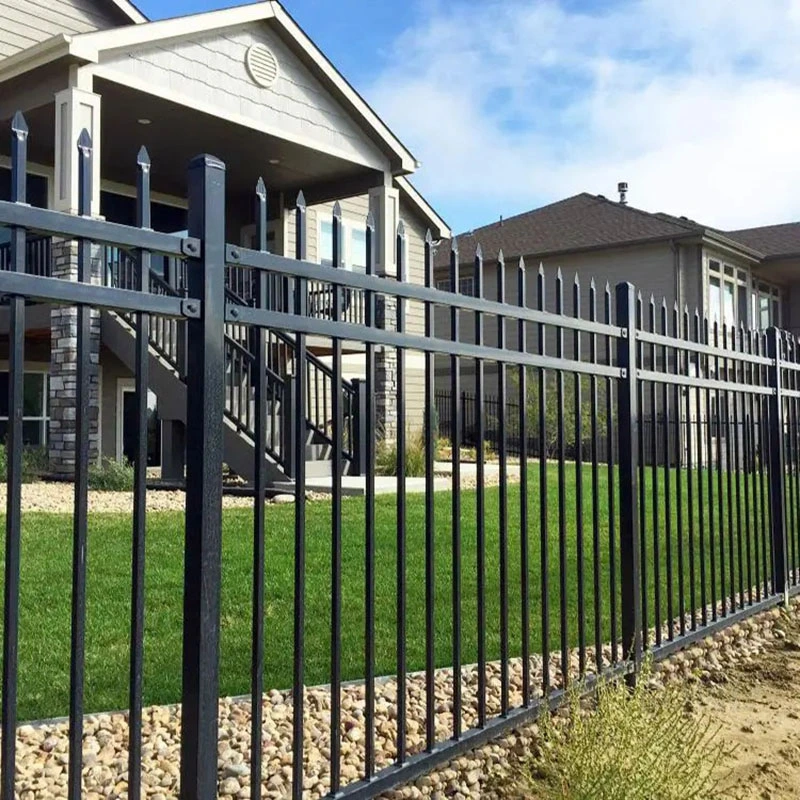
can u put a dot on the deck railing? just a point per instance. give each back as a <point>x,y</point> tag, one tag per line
<point>37,255</point>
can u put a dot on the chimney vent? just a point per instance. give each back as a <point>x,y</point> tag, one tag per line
<point>622,188</point>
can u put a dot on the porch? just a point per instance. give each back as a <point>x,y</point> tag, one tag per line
<point>123,115</point>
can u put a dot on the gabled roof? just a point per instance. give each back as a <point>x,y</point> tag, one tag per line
<point>774,241</point>
<point>588,222</point>
<point>88,46</point>
<point>584,221</point>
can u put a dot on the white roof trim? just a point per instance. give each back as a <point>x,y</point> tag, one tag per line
<point>425,207</point>
<point>130,11</point>
<point>32,57</point>
<point>408,162</point>
<point>89,45</point>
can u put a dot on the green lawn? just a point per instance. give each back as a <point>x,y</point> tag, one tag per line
<point>46,586</point>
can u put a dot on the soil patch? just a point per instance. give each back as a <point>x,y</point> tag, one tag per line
<point>758,709</point>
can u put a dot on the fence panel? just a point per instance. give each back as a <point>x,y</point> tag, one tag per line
<point>633,485</point>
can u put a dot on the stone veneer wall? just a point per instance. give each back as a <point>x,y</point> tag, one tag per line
<point>63,365</point>
<point>386,372</point>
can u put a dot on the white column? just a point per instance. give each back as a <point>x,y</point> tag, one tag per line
<point>384,202</point>
<point>76,109</point>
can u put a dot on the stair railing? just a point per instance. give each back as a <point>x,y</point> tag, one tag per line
<point>37,256</point>
<point>167,338</point>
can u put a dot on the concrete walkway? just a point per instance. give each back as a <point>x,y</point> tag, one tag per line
<point>355,485</point>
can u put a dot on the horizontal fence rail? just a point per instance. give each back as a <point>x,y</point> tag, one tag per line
<point>618,478</point>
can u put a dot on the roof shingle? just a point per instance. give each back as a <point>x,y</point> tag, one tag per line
<point>771,240</point>
<point>581,221</point>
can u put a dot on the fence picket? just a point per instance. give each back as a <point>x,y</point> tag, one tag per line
<point>700,433</point>
<point>14,443</point>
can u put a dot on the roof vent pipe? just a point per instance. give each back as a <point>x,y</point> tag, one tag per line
<point>622,188</point>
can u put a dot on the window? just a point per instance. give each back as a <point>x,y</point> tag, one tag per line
<point>465,286</point>
<point>358,249</point>
<point>34,408</point>
<point>326,243</point>
<point>727,294</point>
<point>714,300</point>
<point>766,305</point>
<point>354,245</point>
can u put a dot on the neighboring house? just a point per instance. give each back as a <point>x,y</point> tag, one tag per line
<point>245,84</point>
<point>747,277</point>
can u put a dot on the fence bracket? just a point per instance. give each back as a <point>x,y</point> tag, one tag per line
<point>191,246</point>
<point>190,308</point>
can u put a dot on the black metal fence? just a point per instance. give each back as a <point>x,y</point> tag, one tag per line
<point>653,434</point>
<point>580,565</point>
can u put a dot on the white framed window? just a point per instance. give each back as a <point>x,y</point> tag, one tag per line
<point>766,304</point>
<point>357,245</point>
<point>354,244</point>
<point>727,294</point>
<point>35,412</point>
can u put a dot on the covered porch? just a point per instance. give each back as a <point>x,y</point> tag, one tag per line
<point>301,132</point>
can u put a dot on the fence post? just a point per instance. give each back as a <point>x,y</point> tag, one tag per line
<point>777,469</point>
<point>628,427</point>
<point>288,427</point>
<point>204,448</point>
<point>358,446</point>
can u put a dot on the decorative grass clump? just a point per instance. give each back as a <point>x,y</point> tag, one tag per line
<point>386,456</point>
<point>111,476</point>
<point>639,744</point>
<point>34,463</point>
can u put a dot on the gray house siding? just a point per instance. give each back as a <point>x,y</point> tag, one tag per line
<point>354,211</point>
<point>651,268</point>
<point>210,70</point>
<point>28,22</point>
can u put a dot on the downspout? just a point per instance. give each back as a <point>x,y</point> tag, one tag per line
<point>676,256</point>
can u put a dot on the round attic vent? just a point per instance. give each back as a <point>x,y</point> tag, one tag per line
<point>261,65</point>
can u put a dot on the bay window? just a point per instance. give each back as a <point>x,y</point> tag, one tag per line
<point>727,294</point>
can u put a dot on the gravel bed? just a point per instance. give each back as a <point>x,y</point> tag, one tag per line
<point>58,498</point>
<point>43,758</point>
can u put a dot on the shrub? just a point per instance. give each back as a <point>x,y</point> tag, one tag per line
<point>34,463</point>
<point>111,476</point>
<point>640,744</point>
<point>386,456</point>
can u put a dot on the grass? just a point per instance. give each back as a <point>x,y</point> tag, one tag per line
<point>46,587</point>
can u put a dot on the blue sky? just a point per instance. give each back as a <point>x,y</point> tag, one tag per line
<point>511,104</point>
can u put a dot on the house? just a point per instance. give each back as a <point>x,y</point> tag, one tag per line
<point>746,277</point>
<point>249,86</point>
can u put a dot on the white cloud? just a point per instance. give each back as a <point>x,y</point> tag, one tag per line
<point>513,103</point>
